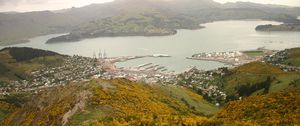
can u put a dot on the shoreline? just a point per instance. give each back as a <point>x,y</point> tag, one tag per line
<point>201,26</point>
<point>214,60</point>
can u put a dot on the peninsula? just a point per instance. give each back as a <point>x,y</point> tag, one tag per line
<point>150,24</point>
<point>282,27</point>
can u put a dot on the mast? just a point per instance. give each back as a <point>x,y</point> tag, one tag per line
<point>100,54</point>
<point>94,55</point>
<point>104,54</point>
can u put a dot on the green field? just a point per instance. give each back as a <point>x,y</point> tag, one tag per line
<point>91,113</point>
<point>255,53</point>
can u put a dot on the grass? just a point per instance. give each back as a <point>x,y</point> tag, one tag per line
<point>257,73</point>
<point>189,98</point>
<point>293,57</point>
<point>91,113</point>
<point>10,69</point>
<point>235,80</point>
<point>258,68</point>
<point>283,82</point>
<point>10,103</point>
<point>254,53</point>
<point>280,83</point>
<point>293,61</point>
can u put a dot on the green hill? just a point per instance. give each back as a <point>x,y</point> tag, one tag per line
<point>17,63</point>
<point>257,78</point>
<point>287,57</point>
<point>293,57</point>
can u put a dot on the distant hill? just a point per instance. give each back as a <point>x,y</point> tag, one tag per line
<point>140,24</point>
<point>18,27</point>
<point>25,54</point>
<point>282,27</point>
<point>17,63</point>
<point>269,8</point>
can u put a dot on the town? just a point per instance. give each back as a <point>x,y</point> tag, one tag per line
<point>279,57</point>
<point>77,68</point>
<point>73,69</point>
<point>205,83</point>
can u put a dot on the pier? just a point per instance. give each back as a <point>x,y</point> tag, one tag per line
<point>148,72</point>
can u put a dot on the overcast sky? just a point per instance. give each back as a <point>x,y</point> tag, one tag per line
<point>36,5</point>
<point>281,2</point>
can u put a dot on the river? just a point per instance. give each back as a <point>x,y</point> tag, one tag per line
<point>216,37</point>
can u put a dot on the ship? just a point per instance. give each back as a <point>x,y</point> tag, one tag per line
<point>161,55</point>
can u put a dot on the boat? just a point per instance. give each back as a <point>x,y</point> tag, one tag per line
<point>143,65</point>
<point>164,70</point>
<point>161,55</point>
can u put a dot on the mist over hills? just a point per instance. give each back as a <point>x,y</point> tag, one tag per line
<point>18,27</point>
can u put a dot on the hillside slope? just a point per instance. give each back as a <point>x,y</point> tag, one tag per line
<point>289,57</point>
<point>100,102</point>
<point>256,79</point>
<point>281,108</point>
<point>17,63</point>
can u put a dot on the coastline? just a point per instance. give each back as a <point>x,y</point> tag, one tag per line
<point>201,26</point>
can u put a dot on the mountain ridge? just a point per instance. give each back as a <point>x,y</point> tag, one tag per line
<point>18,27</point>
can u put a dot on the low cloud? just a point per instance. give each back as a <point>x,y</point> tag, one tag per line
<point>280,2</point>
<point>37,5</point>
<point>16,2</point>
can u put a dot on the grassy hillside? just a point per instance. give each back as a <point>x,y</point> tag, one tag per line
<point>281,108</point>
<point>122,102</point>
<point>11,103</point>
<point>192,100</point>
<point>293,57</point>
<point>257,78</point>
<point>18,63</point>
<point>290,57</point>
<point>100,102</point>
